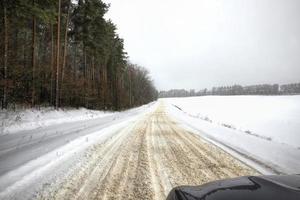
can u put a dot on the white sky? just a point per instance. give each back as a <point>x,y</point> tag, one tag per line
<point>194,44</point>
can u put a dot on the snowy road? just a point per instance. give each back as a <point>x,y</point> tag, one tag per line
<point>144,161</point>
<point>17,149</point>
<point>30,159</point>
<point>138,154</point>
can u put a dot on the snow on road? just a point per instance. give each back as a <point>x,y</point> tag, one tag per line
<point>30,159</point>
<point>261,130</point>
<point>144,161</point>
<point>144,152</point>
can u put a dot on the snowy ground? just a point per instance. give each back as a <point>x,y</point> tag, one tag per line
<point>29,119</point>
<point>151,148</point>
<point>262,129</point>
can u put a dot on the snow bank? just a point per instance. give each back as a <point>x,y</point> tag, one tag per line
<point>262,131</point>
<point>14,121</point>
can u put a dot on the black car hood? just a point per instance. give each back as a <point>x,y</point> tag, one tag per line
<point>246,188</point>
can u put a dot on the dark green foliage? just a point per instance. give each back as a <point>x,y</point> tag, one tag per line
<point>93,68</point>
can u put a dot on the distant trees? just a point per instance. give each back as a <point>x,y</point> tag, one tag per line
<point>293,88</point>
<point>263,89</point>
<point>136,80</point>
<point>64,53</point>
<point>174,93</point>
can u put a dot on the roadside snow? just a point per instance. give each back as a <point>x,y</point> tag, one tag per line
<point>29,119</point>
<point>274,118</point>
<point>262,130</point>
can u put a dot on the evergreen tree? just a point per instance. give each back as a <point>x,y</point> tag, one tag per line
<point>64,53</point>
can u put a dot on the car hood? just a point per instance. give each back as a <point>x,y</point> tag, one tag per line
<point>247,188</point>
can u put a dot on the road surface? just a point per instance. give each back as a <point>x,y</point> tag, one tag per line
<point>145,160</point>
<point>17,149</point>
<point>29,159</point>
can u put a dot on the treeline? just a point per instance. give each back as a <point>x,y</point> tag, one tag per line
<point>176,93</point>
<point>64,53</point>
<point>264,89</point>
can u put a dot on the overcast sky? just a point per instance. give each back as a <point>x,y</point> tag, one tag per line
<point>194,44</point>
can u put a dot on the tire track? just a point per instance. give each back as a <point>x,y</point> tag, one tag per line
<point>145,160</point>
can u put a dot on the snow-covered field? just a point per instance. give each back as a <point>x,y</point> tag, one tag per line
<point>266,128</point>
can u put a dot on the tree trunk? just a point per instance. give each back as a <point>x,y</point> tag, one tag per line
<point>130,88</point>
<point>57,56</point>
<point>33,59</point>
<point>4,103</point>
<point>104,84</point>
<point>85,77</point>
<point>93,74</point>
<point>75,63</point>
<point>52,66</point>
<point>65,52</point>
